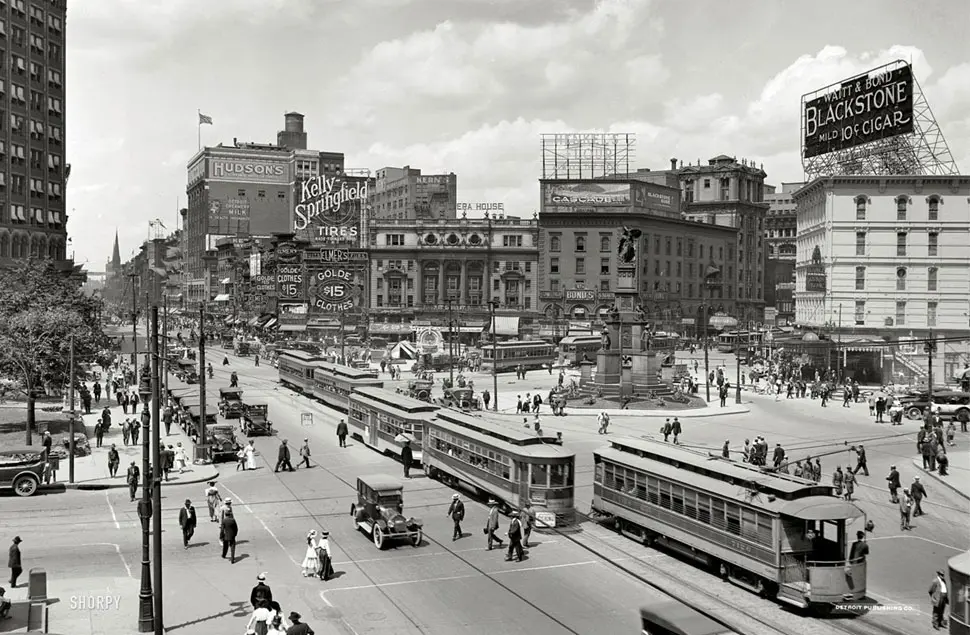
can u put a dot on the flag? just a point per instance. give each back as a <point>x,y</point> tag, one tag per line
<point>203,119</point>
<point>159,222</point>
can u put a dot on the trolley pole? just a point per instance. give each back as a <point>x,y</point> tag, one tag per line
<point>491,307</point>
<point>201,452</point>
<point>157,476</point>
<point>839,362</point>
<point>451,348</point>
<point>70,442</point>
<point>707,370</point>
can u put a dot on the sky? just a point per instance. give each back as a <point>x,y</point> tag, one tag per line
<point>467,86</point>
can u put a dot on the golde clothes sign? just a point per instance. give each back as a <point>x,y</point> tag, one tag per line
<point>329,209</point>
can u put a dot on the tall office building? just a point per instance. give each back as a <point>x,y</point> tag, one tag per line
<point>33,174</point>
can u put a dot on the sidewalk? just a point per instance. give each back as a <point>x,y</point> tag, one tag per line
<point>507,403</point>
<point>91,472</point>
<point>958,472</point>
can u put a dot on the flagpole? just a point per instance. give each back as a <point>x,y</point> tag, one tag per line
<point>199,118</point>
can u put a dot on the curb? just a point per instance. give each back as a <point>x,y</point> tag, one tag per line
<point>918,464</point>
<point>122,485</point>
<point>693,413</point>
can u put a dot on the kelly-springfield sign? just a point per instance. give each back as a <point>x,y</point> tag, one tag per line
<point>329,209</point>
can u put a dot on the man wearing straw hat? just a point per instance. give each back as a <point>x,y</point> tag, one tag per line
<point>491,525</point>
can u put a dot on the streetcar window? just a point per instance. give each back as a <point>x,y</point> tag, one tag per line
<point>653,490</point>
<point>704,508</point>
<point>717,514</point>
<point>690,503</point>
<point>764,530</point>
<point>597,473</point>
<point>733,519</point>
<point>557,475</point>
<point>641,492</point>
<point>749,524</point>
<point>665,494</point>
<point>677,494</point>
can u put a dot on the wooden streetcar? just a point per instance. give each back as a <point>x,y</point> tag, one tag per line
<point>959,591</point>
<point>333,383</point>
<point>530,354</point>
<point>296,369</point>
<point>575,348</point>
<point>382,419</point>
<point>781,536</point>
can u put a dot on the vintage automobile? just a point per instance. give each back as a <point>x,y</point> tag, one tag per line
<point>420,389</point>
<point>461,398</point>
<point>255,420</point>
<point>223,445</point>
<point>227,339</point>
<point>230,403</point>
<point>379,511</point>
<point>22,470</point>
<point>242,349</point>
<point>186,371</point>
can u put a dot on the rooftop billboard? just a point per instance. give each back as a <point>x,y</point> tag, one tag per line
<point>586,194</point>
<point>862,109</point>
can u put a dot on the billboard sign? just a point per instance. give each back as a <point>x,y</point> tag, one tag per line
<point>329,209</point>
<point>870,107</point>
<point>289,282</point>
<point>229,208</point>
<point>336,289</point>
<point>465,208</point>
<point>335,255</point>
<point>248,171</point>
<point>655,197</point>
<point>266,284</point>
<point>292,313</point>
<point>434,196</point>
<point>287,253</point>
<point>580,295</point>
<point>586,194</point>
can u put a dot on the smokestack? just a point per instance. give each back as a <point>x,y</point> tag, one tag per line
<point>673,164</point>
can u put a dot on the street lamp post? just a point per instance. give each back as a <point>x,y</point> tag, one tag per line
<point>737,348</point>
<point>157,476</point>
<point>146,605</point>
<point>491,308</point>
<point>70,443</point>
<point>707,370</point>
<point>134,324</point>
<point>343,359</point>
<point>201,445</point>
<point>451,349</point>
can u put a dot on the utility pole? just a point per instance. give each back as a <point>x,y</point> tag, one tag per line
<point>707,370</point>
<point>343,359</point>
<point>201,446</point>
<point>737,351</point>
<point>451,350</point>
<point>134,324</point>
<point>157,476</point>
<point>930,348</point>
<point>491,307</point>
<point>70,442</point>
<point>165,343</point>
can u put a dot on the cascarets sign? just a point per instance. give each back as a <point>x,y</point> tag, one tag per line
<point>251,170</point>
<point>329,209</point>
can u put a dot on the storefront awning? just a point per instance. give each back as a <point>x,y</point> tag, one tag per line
<point>472,329</point>
<point>293,327</point>
<point>225,281</point>
<point>252,321</point>
<point>222,297</point>
<point>270,323</point>
<point>506,325</point>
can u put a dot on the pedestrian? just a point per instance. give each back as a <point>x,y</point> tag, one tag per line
<point>860,548</point>
<point>905,509</point>
<point>894,485</point>
<point>342,432</point>
<point>97,392</point>
<point>256,360</point>
<point>942,460</point>
<point>818,470</point>
<point>283,458</point>
<point>515,539</point>
<point>407,458</point>
<point>187,521</point>
<point>838,480</point>
<point>528,517</point>
<point>123,401</point>
<point>849,482</point>
<point>212,500</point>
<point>604,421</point>
<point>126,430</point>
<point>726,450</point>
<point>491,524</point>
<point>228,533</point>
<point>14,562</point>
<point>250,451</point>
<point>181,458</point>
<point>311,564</point>
<point>675,429</point>
<point>486,398</point>
<point>241,459</point>
<point>518,403</point>
<point>296,626</point>
<point>456,511</point>
<point>846,396</point>
<point>262,594</point>
<point>861,463</point>
<point>918,492</point>
<point>778,455</point>
<point>939,598</point>
<point>324,557</point>
<point>135,431</point>
<point>305,454</point>
<point>131,477</point>
<point>259,621</point>
<point>951,433</point>
<point>167,419</point>
<point>168,460</point>
<point>746,452</point>
<point>114,460</point>
<point>666,430</point>
<point>99,432</point>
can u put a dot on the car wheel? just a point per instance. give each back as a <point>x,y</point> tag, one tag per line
<point>378,536</point>
<point>914,413</point>
<point>959,413</point>
<point>416,538</point>
<point>25,485</point>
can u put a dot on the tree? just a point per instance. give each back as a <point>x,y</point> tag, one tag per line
<point>40,309</point>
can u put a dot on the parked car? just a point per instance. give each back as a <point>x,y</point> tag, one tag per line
<point>230,402</point>
<point>22,470</point>
<point>222,441</point>
<point>255,420</point>
<point>379,511</point>
<point>951,403</point>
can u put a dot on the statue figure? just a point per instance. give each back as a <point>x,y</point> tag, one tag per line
<point>627,250</point>
<point>614,313</point>
<point>606,339</point>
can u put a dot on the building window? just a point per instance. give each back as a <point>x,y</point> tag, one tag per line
<point>688,191</point>
<point>860,312</point>
<point>241,193</point>
<point>554,243</point>
<point>901,279</point>
<point>580,266</point>
<point>725,189</point>
<point>860,208</point>
<point>554,265</point>
<point>860,278</point>
<point>395,240</point>
<point>931,276</point>
<point>901,244</point>
<point>604,244</point>
<point>934,208</point>
<point>933,244</point>
<point>667,245</point>
<point>554,285</point>
<point>707,184</point>
<point>860,243</point>
<point>580,243</point>
<point>931,313</point>
<point>511,241</point>
<point>900,313</point>
<point>680,247</point>
<point>604,266</point>
<point>901,202</point>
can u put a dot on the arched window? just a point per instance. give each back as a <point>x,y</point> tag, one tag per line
<point>604,243</point>
<point>42,247</point>
<point>52,249</point>
<point>15,246</point>
<point>861,202</point>
<point>902,203</point>
<point>580,243</point>
<point>901,279</point>
<point>554,243</point>
<point>933,206</point>
<point>34,246</point>
<point>4,245</point>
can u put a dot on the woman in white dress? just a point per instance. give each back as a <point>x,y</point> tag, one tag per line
<point>251,456</point>
<point>310,561</point>
<point>260,621</point>
<point>181,458</point>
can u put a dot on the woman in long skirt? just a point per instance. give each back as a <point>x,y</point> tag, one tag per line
<point>251,456</point>
<point>311,563</point>
<point>325,569</point>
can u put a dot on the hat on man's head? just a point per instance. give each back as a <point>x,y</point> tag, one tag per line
<point>454,496</point>
<point>17,540</point>
<point>492,501</point>
<point>261,577</point>
<point>295,616</point>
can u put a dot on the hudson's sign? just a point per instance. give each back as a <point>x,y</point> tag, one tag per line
<point>248,170</point>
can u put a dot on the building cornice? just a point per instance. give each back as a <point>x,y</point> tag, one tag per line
<point>919,182</point>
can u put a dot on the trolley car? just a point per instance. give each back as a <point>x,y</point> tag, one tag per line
<point>510,355</point>
<point>781,536</point>
<point>512,465</point>
<point>575,348</point>
<point>333,383</point>
<point>379,418</point>
<point>296,369</point>
<point>958,589</point>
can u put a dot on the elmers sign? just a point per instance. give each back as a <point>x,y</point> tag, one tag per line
<point>329,209</point>
<point>248,170</point>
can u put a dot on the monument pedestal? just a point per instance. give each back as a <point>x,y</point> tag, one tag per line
<point>585,372</point>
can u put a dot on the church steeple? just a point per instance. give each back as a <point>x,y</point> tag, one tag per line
<point>116,255</point>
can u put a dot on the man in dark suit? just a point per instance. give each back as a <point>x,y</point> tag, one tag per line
<point>283,459</point>
<point>457,513</point>
<point>342,433</point>
<point>13,561</point>
<point>515,538</point>
<point>407,458</point>
<point>261,595</point>
<point>187,521</point>
<point>228,535</point>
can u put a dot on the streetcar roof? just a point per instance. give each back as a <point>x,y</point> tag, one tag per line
<point>381,482</point>
<point>960,562</point>
<point>386,400</point>
<point>580,339</point>
<point>821,508</point>
<point>303,356</point>
<point>680,619</point>
<point>708,466</point>
<point>346,371</point>
<point>498,434</point>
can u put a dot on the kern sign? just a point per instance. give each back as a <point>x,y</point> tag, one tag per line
<point>329,210</point>
<point>869,107</point>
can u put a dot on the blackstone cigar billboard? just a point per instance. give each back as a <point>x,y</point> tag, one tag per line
<point>866,108</point>
<point>328,210</point>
